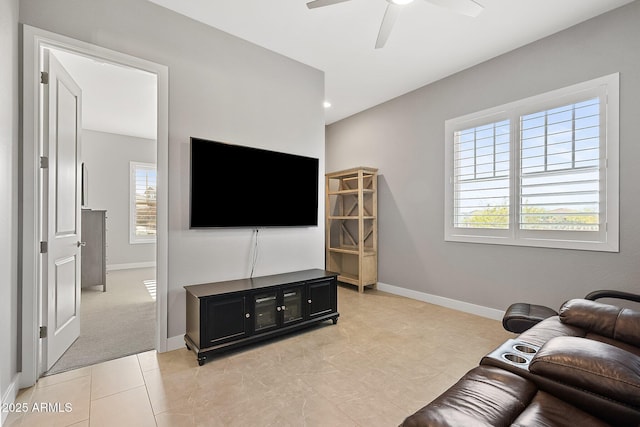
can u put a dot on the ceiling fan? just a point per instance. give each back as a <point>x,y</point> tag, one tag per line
<point>463,7</point>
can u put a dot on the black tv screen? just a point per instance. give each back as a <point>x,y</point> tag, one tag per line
<point>236,186</point>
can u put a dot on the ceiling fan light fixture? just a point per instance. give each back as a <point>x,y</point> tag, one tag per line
<point>400,2</point>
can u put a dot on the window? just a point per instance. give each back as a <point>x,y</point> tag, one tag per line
<point>538,172</point>
<point>481,172</point>
<point>143,203</point>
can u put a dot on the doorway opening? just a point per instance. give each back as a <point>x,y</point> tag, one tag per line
<point>118,153</point>
<point>36,281</point>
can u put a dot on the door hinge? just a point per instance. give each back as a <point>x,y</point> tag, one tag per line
<point>44,247</point>
<point>44,162</point>
<point>43,331</point>
<point>44,77</point>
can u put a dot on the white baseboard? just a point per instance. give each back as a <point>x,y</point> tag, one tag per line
<point>132,265</point>
<point>8,398</point>
<point>466,307</point>
<point>174,343</point>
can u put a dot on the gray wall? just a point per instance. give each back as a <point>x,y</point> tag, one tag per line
<point>107,157</point>
<point>404,138</point>
<point>222,88</point>
<point>9,196</point>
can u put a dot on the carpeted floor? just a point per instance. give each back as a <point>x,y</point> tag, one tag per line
<point>115,323</point>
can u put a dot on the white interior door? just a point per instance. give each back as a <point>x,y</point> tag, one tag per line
<point>61,208</point>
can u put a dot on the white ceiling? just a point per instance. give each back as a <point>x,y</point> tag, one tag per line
<point>427,43</point>
<point>115,98</point>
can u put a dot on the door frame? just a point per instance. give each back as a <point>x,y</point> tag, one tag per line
<point>34,40</point>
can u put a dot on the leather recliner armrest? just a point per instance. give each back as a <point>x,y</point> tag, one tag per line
<point>592,366</point>
<point>608,293</point>
<point>618,323</point>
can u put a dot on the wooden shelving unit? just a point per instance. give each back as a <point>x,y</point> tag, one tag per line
<point>352,226</point>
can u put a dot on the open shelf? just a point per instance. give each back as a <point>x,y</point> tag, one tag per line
<point>352,226</point>
<point>351,217</point>
<point>346,192</point>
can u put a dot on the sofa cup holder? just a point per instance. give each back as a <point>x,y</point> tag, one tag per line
<point>514,358</point>
<point>524,348</point>
<point>513,353</point>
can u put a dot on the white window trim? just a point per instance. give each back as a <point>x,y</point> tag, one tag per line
<point>608,239</point>
<point>133,238</point>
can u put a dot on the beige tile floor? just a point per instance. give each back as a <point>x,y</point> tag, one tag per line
<point>386,357</point>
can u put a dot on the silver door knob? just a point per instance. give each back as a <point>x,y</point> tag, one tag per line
<point>309,301</point>
<point>81,243</point>
<point>278,308</point>
<point>247,315</point>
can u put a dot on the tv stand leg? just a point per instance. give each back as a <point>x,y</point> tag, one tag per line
<point>201,360</point>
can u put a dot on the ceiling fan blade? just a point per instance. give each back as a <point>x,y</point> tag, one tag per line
<point>321,3</point>
<point>463,7</point>
<point>390,16</point>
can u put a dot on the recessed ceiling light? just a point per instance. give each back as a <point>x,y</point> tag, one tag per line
<point>326,104</point>
<point>400,2</point>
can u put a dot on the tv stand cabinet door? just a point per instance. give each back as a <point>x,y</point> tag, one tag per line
<point>225,319</point>
<point>322,297</point>
<point>293,304</point>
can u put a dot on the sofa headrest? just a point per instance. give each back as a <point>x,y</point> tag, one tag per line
<point>621,324</point>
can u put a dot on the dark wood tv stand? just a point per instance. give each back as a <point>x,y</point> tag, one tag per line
<point>225,315</point>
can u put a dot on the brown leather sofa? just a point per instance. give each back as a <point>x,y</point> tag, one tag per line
<point>579,368</point>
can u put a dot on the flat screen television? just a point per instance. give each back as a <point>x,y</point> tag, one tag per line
<point>237,186</point>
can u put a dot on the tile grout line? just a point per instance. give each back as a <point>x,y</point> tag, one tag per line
<point>146,389</point>
<point>90,393</point>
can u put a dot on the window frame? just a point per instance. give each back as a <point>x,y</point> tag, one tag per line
<point>133,237</point>
<point>606,88</point>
